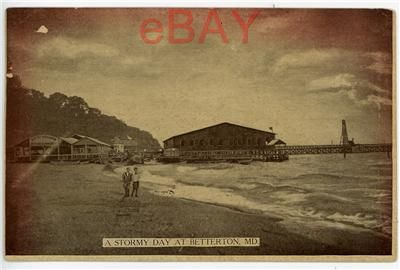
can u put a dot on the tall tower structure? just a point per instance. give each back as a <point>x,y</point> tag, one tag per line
<point>344,138</point>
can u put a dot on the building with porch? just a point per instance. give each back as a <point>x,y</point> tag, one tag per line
<point>47,147</point>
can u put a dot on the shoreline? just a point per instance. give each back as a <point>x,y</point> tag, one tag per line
<point>229,199</point>
<point>73,216</point>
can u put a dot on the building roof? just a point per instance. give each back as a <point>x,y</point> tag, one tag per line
<point>224,123</point>
<point>97,141</point>
<point>69,140</point>
<point>79,137</point>
<point>276,141</point>
<point>41,139</point>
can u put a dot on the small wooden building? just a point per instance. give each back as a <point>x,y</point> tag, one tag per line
<point>47,147</point>
<point>88,147</point>
<point>36,148</point>
<point>125,145</point>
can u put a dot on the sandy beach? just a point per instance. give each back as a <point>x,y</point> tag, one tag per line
<point>69,209</point>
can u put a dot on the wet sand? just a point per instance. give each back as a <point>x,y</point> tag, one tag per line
<point>68,209</point>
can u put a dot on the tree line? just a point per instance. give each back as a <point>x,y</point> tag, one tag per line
<point>29,112</point>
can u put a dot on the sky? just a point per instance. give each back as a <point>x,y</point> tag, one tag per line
<point>301,72</point>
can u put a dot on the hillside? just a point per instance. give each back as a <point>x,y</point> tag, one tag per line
<point>30,112</point>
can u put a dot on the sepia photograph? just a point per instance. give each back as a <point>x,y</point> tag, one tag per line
<point>200,134</point>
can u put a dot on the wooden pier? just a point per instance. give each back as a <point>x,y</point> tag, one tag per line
<point>228,142</point>
<point>333,148</point>
<point>243,156</point>
<point>268,154</point>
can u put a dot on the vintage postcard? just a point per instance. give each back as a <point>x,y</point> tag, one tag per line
<point>200,134</point>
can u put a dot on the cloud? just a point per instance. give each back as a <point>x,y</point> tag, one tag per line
<point>378,101</point>
<point>362,92</point>
<point>382,62</point>
<point>133,60</point>
<point>68,55</point>
<point>350,29</point>
<point>340,80</point>
<point>265,82</point>
<point>362,78</point>
<point>335,61</point>
<point>72,49</point>
<point>305,59</point>
<point>268,24</point>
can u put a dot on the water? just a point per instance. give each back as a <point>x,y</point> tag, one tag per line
<point>314,190</point>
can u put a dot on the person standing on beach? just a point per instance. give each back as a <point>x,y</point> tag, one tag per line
<point>126,181</point>
<point>135,182</point>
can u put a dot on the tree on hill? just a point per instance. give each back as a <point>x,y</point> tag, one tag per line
<point>29,112</point>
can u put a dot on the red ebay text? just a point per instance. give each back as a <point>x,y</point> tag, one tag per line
<point>152,30</point>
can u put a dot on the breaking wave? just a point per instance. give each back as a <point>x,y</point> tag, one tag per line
<point>309,189</point>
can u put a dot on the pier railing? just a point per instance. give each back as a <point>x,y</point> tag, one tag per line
<point>234,155</point>
<point>333,148</point>
<point>274,153</point>
<point>63,157</point>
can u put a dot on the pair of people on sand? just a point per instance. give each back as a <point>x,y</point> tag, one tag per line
<point>131,179</point>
